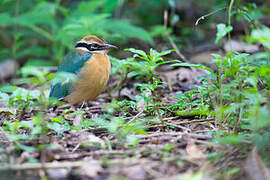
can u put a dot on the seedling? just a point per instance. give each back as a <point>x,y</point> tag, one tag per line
<point>144,68</point>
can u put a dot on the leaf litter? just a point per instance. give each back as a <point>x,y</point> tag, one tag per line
<point>179,148</point>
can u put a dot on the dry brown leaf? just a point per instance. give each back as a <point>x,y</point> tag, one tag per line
<point>194,151</point>
<point>90,170</point>
<point>126,92</point>
<point>141,104</point>
<point>195,154</point>
<point>77,120</point>
<point>205,58</point>
<point>8,68</point>
<point>56,174</point>
<point>135,173</point>
<point>90,139</point>
<point>182,77</point>
<point>240,46</point>
<point>6,111</point>
<point>255,167</point>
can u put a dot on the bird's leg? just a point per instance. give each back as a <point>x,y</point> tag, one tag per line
<point>87,109</point>
<point>54,108</point>
<point>78,117</point>
<point>73,108</point>
<point>82,105</point>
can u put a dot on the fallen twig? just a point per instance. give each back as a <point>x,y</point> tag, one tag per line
<point>170,38</point>
<point>57,165</point>
<point>200,136</point>
<point>209,14</point>
<point>179,126</point>
<point>93,153</point>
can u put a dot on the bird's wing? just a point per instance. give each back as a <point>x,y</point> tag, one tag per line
<point>72,63</point>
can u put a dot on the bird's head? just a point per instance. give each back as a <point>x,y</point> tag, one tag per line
<point>94,44</point>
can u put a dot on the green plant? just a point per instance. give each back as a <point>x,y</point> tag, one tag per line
<point>238,93</point>
<point>20,132</point>
<point>142,68</point>
<point>22,101</point>
<point>145,69</point>
<point>121,128</point>
<point>122,69</point>
<point>241,95</point>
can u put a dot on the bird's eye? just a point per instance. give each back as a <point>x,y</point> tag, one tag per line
<point>94,45</point>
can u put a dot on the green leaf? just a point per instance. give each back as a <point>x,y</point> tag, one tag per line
<point>6,19</point>
<point>263,71</point>
<point>158,30</point>
<point>35,51</point>
<point>36,75</point>
<point>142,54</point>
<point>8,88</point>
<point>126,29</point>
<point>38,120</point>
<point>58,119</point>
<point>132,140</point>
<point>164,53</point>
<point>222,30</point>
<point>90,6</point>
<point>193,65</point>
<point>261,120</point>
<point>140,131</point>
<point>57,127</point>
<point>64,77</point>
<point>36,130</point>
<point>26,148</point>
<point>4,96</point>
<point>261,36</point>
<point>233,139</point>
<point>43,13</point>
<point>38,62</point>
<point>31,71</point>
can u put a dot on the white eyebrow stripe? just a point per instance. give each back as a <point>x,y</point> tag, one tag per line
<point>83,49</point>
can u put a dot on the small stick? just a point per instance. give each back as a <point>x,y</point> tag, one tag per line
<point>194,121</point>
<point>179,126</point>
<point>170,38</point>
<point>136,116</point>
<point>209,14</point>
<point>175,134</point>
<point>57,165</point>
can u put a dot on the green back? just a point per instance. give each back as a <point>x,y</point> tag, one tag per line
<point>72,63</point>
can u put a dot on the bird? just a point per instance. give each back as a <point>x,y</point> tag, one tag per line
<point>89,62</point>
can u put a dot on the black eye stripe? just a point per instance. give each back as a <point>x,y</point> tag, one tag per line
<point>94,45</point>
<point>90,47</point>
<point>83,45</point>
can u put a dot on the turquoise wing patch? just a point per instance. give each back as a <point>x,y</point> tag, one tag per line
<point>72,63</point>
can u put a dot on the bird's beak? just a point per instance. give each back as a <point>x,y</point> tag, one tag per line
<point>109,46</point>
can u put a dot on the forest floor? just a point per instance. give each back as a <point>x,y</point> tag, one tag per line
<point>171,146</point>
<point>172,149</point>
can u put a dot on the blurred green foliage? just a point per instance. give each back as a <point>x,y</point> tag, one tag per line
<point>40,32</point>
<point>43,30</point>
